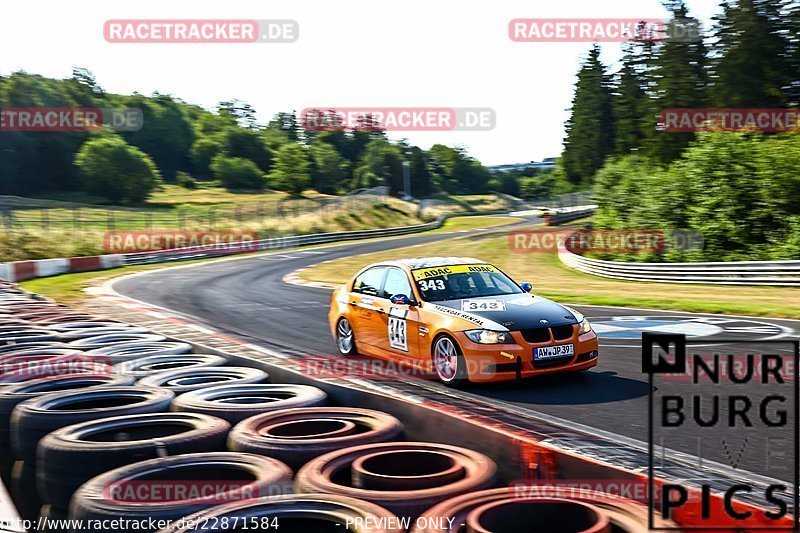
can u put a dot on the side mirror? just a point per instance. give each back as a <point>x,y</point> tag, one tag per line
<point>527,287</point>
<point>401,299</point>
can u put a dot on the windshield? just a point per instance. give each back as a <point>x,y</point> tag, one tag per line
<point>457,282</point>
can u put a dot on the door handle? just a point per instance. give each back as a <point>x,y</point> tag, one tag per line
<point>352,303</point>
<point>380,311</point>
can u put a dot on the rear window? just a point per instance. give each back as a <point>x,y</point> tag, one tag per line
<point>457,282</point>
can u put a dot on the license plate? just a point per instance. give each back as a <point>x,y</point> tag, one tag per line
<point>549,352</point>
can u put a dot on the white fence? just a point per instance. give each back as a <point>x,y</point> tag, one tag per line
<point>778,273</point>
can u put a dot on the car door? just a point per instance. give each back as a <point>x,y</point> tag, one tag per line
<point>367,307</point>
<point>400,323</point>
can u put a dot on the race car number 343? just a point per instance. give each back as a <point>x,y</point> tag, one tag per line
<point>548,352</point>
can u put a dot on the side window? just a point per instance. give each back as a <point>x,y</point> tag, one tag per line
<point>396,283</point>
<point>369,282</point>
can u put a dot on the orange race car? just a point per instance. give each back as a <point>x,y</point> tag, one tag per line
<point>459,318</point>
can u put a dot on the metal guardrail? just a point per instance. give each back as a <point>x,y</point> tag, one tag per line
<point>278,243</point>
<point>776,273</point>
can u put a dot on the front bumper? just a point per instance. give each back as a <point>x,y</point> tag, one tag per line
<point>504,362</point>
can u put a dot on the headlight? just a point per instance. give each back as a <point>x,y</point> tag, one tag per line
<point>585,326</point>
<point>485,336</point>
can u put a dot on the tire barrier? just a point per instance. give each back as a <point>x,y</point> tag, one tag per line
<point>71,456</point>
<point>145,366</point>
<point>14,394</point>
<point>25,365</point>
<point>60,319</point>
<point>295,436</point>
<point>195,378</point>
<point>15,334</point>
<point>86,324</point>
<point>113,339</point>
<point>96,331</point>
<point>234,403</point>
<point>295,513</point>
<point>23,485</point>
<point>32,419</point>
<point>404,477</point>
<point>563,509</point>
<point>126,351</point>
<point>15,347</point>
<point>116,493</point>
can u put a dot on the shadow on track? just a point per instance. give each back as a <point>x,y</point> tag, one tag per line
<point>566,389</point>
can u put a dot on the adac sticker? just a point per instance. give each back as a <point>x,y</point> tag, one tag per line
<point>426,273</point>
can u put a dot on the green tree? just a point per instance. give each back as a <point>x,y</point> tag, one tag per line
<point>166,135</point>
<point>590,128</point>
<point>291,170</point>
<point>381,164</point>
<point>112,168</point>
<point>680,77</point>
<point>237,173</point>
<point>329,169</point>
<point>203,152</point>
<point>752,63</point>
<point>629,103</point>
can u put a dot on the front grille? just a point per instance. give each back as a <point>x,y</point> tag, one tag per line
<point>562,333</point>
<point>536,335</point>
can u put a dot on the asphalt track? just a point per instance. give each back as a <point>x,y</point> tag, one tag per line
<point>248,297</point>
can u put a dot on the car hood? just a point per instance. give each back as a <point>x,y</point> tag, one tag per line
<point>513,311</point>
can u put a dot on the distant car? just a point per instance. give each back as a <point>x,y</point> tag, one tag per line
<point>461,319</point>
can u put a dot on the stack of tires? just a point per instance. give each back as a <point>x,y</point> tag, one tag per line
<point>101,420</point>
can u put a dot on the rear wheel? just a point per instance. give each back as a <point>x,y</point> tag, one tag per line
<point>448,362</point>
<point>345,338</point>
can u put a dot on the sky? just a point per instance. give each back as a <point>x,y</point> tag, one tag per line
<point>351,53</point>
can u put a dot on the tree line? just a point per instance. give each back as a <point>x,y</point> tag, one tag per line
<point>186,144</point>
<point>738,189</point>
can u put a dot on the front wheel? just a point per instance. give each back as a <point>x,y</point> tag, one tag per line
<point>345,338</point>
<point>448,362</point>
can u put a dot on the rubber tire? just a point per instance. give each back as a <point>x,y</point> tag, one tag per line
<point>91,502</point>
<point>462,375</point>
<point>65,459</point>
<point>329,474</point>
<point>126,351</point>
<point>177,380</point>
<point>145,366</point>
<point>203,401</point>
<point>32,419</point>
<point>16,393</point>
<point>371,426</point>
<point>23,490</point>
